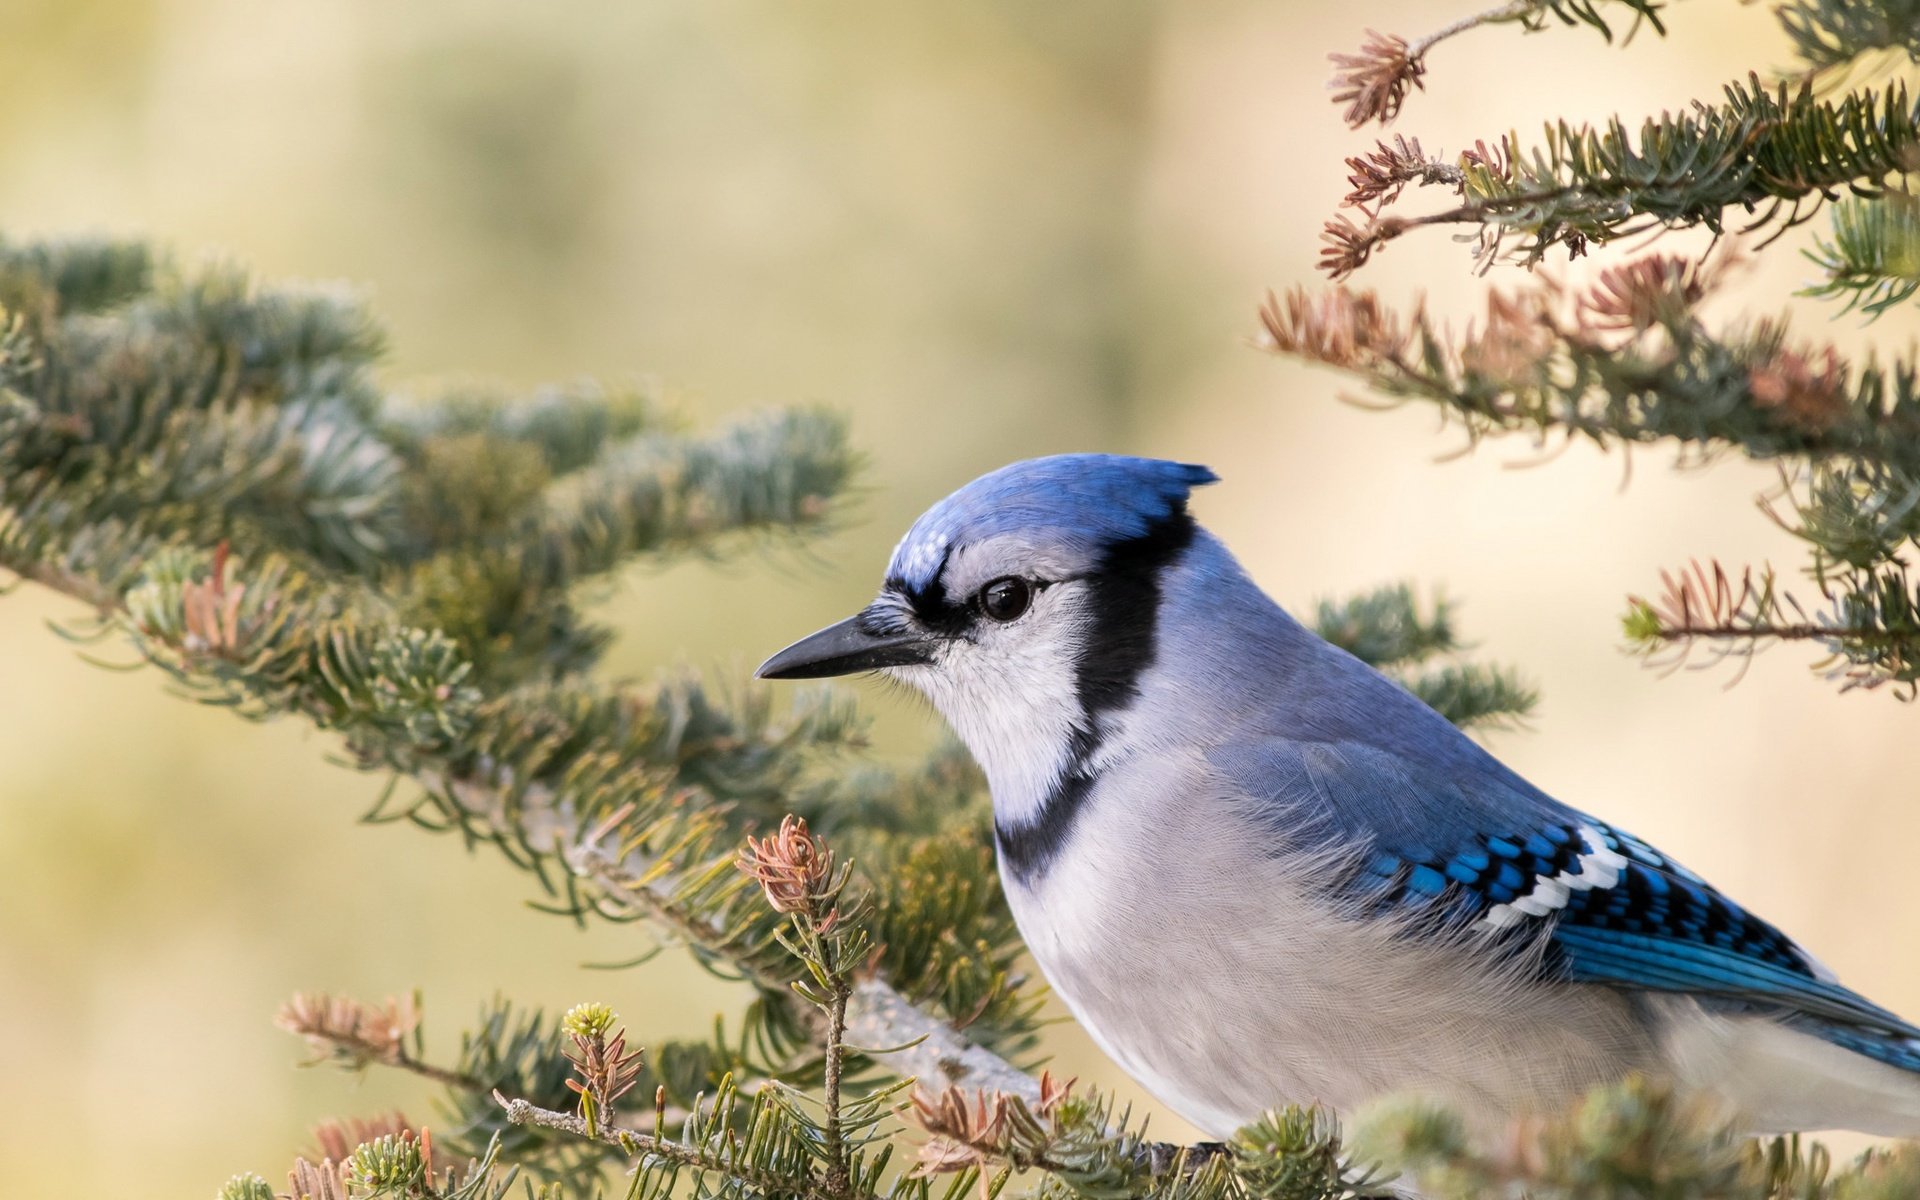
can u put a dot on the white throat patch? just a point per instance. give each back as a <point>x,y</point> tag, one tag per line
<point>1012,697</point>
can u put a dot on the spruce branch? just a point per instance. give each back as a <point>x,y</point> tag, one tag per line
<point>698,902</point>
<point>1626,359</point>
<point>1632,1138</point>
<point>652,1148</point>
<point>1387,628</point>
<point>336,1139</point>
<point>568,425</point>
<point>1374,82</point>
<point>355,1035</point>
<point>796,873</point>
<point>1377,178</point>
<point>388,1166</point>
<point>1869,623</point>
<point>1476,696</point>
<point>606,1070</point>
<point>1832,33</point>
<point>452,660</point>
<point>978,1128</point>
<point>1774,151</point>
<point>317,1181</point>
<point>41,279</point>
<point>1872,260</point>
<point>879,1018</point>
<point>401,1167</point>
<point>1094,1151</point>
<point>246,1187</point>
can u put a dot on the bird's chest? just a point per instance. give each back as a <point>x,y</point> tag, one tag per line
<point>1191,962</point>
<point>1206,964</point>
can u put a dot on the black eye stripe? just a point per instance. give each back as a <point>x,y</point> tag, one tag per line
<point>932,609</point>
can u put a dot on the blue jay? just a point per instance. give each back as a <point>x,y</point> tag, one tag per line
<point>1260,872</point>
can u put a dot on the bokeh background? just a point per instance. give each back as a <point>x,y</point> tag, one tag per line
<point>986,230</point>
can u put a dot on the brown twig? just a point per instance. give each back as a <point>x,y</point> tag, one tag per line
<point>1379,176</point>
<point>366,1034</point>
<point>836,1054</point>
<point>1374,82</point>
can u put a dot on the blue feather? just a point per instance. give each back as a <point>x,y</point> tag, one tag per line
<point>1896,1049</point>
<point>1654,925</point>
<point>1086,500</point>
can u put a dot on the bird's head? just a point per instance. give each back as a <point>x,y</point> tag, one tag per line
<point>1023,606</point>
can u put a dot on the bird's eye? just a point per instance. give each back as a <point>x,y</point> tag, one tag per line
<point>1005,598</point>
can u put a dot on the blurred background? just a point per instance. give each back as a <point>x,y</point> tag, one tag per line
<point>987,231</point>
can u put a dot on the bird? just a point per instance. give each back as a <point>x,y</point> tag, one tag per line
<point>1259,872</point>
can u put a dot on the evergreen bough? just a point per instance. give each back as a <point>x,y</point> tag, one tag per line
<point>1630,358</point>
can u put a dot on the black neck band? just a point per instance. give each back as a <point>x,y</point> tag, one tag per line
<point>1125,593</point>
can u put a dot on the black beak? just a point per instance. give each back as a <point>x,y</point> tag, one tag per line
<point>846,648</point>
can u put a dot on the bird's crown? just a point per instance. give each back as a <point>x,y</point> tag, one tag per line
<point>1087,501</point>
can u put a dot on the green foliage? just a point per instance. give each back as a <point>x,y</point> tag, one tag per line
<point>1476,695</point>
<point>1831,33</point>
<point>1386,628</point>
<point>1872,261</point>
<point>1092,1151</point>
<point>517,1053</point>
<point>213,465</point>
<point>1591,13</point>
<point>77,276</point>
<point>1631,360</point>
<point>1631,1139</point>
<point>589,1020</point>
<point>388,1167</point>
<point>1770,151</point>
<point>944,934</point>
<point>1298,1153</point>
<point>400,1168</point>
<point>247,1187</point>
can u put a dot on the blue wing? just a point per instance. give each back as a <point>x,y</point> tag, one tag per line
<point>1482,847</point>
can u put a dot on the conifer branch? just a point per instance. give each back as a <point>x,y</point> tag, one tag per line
<point>451,660</point>
<point>1832,33</point>
<point>356,1035</point>
<point>1773,151</point>
<point>629,881</point>
<point>1476,696</point>
<point>643,1145</point>
<point>1629,360</point>
<point>1869,622</point>
<point>1872,260</point>
<point>1374,82</point>
<point>1386,628</point>
<point>390,1167</point>
<point>921,1046</point>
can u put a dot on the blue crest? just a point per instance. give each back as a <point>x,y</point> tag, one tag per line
<point>1091,500</point>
